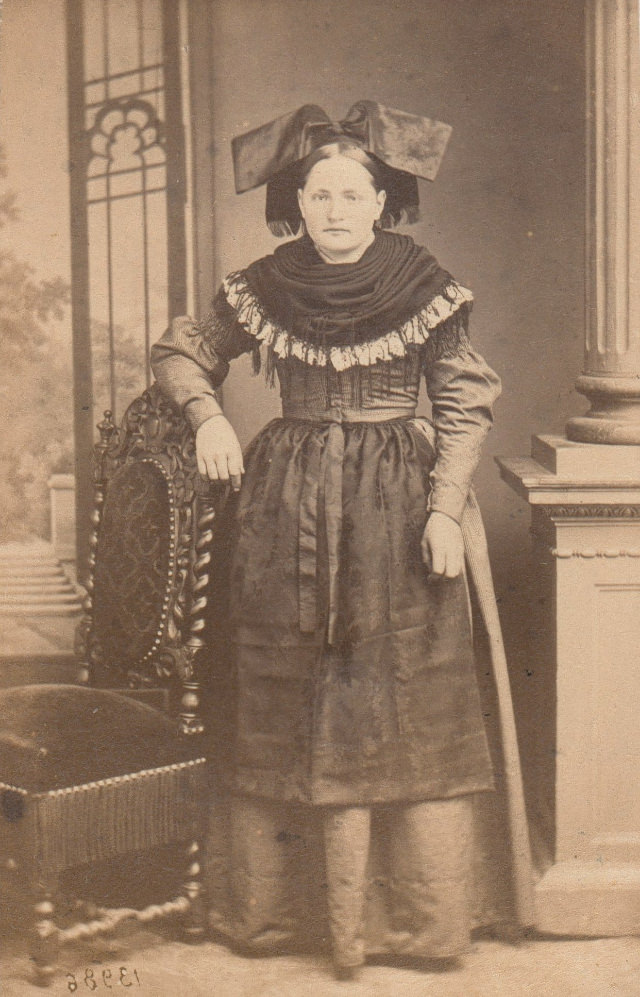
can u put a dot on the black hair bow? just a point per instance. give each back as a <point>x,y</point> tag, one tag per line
<point>406,142</point>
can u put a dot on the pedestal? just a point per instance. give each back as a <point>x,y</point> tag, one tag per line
<point>63,516</point>
<point>585,503</point>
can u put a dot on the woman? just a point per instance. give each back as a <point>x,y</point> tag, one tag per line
<point>357,709</point>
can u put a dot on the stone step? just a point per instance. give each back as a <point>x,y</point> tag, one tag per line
<point>27,556</point>
<point>27,553</point>
<point>22,570</point>
<point>40,609</point>
<point>34,578</point>
<point>32,581</point>
<point>31,577</point>
<point>12,598</point>
<point>45,586</point>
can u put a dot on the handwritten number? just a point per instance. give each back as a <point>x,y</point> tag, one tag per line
<point>91,983</point>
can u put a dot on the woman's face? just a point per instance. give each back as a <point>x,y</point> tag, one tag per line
<point>339,204</point>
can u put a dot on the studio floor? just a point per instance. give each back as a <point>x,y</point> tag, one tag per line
<point>155,965</point>
<point>39,649</point>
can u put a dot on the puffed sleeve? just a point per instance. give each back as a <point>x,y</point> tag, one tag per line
<point>192,359</point>
<point>462,389</point>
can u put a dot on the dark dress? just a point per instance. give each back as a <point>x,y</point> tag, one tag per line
<point>355,673</point>
<point>345,674</point>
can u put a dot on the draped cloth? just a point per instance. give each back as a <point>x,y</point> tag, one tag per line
<point>337,304</point>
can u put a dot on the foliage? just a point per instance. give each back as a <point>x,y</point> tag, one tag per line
<point>36,384</point>
<point>35,387</point>
<point>129,371</point>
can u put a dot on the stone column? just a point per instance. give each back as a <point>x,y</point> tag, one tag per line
<point>611,378</point>
<point>585,497</point>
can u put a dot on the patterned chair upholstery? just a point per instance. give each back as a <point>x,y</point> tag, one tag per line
<point>115,766</point>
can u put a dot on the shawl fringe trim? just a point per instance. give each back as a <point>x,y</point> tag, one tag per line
<point>452,302</point>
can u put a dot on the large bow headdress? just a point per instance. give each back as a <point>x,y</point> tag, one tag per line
<point>406,145</point>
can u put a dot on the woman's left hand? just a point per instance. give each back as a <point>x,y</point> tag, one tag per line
<point>443,546</point>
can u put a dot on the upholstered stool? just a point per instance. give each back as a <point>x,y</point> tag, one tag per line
<point>87,775</point>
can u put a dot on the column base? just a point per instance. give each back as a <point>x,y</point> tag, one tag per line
<point>614,416</point>
<point>598,429</point>
<point>589,899</point>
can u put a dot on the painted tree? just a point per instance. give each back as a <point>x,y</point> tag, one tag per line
<point>35,386</point>
<point>36,383</point>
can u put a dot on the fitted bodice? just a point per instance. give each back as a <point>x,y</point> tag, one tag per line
<point>192,360</point>
<point>355,394</point>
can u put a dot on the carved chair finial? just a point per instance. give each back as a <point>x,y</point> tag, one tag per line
<point>107,427</point>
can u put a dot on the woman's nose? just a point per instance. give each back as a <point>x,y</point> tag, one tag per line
<point>334,209</point>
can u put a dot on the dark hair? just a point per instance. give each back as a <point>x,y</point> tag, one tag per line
<point>282,209</point>
<point>349,148</point>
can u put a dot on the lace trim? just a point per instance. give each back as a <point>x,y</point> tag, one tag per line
<point>386,347</point>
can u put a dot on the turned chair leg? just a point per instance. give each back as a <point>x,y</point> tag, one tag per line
<point>194,921</point>
<point>44,938</point>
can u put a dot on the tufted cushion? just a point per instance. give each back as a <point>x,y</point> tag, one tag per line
<point>56,736</point>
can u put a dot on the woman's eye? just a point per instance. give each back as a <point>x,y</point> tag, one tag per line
<point>320,197</point>
<point>350,197</point>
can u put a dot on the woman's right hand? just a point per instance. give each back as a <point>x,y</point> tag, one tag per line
<point>218,451</point>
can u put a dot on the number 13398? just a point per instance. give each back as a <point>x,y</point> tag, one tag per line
<point>108,978</point>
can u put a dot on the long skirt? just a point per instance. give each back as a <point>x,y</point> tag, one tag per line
<point>345,707</point>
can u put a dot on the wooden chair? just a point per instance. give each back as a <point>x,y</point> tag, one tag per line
<point>115,766</point>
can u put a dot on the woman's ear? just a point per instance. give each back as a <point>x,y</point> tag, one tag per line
<point>300,202</point>
<point>381,198</point>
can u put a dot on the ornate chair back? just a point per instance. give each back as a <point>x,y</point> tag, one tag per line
<point>149,560</point>
<point>95,771</point>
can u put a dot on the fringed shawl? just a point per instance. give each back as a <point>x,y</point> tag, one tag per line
<point>345,314</point>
